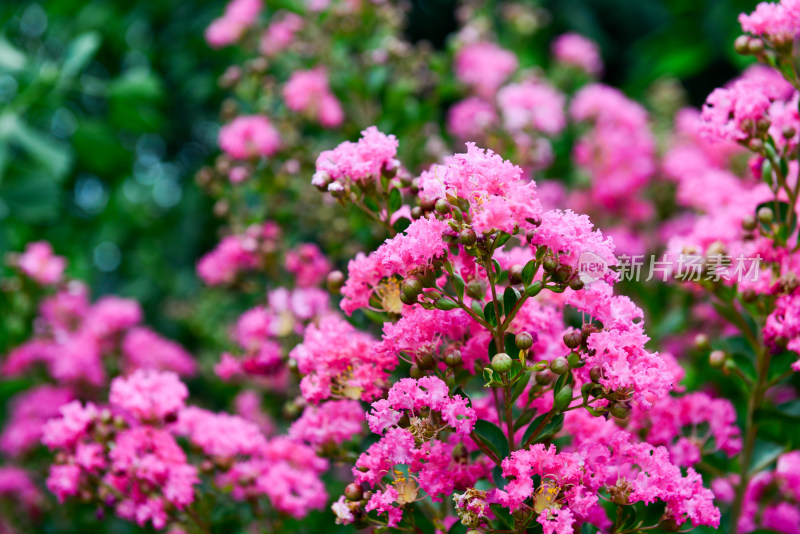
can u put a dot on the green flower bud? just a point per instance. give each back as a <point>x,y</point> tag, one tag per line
<point>563,273</point>
<point>572,339</point>
<point>411,287</point>
<point>755,46</point>
<point>575,283</point>
<point>523,341</point>
<point>741,45</point>
<point>620,410</point>
<point>476,289</point>
<point>717,359</point>
<point>468,237</point>
<point>749,223</point>
<point>549,264</point>
<point>501,362</point>
<point>765,215</point>
<point>596,373</point>
<point>335,282</point>
<point>416,372</point>
<point>543,377</point>
<point>442,207</point>
<point>425,361</point>
<point>416,213</point>
<point>515,274</point>
<point>353,492</point>
<point>452,358</point>
<point>701,342</point>
<point>559,366</point>
<point>534,289</point>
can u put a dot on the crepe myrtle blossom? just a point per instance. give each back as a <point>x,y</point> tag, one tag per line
<point>40,264</point>
<point>576,50</point>
<point>777,21</point>
<point>307,91</point>
<point>280,33</point>
<point>249,136</point>
<point>229,28</point>
<point>362,161</point>
<point>532,104</point>
<point>471,118</point>
<point>484,66</point>
<point>149,395</point>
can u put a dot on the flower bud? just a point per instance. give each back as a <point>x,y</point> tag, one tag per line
<point>452,358</point>
<point>416,213</point>
<point>756,145</point>
<point>575,283</point>
<point>468,237</point>
<point>460,453</point>
<point>717,359</point>
<point>701,342</point>
<point>529,235</point>
<point>749,295</point>
<point>425,361</point>
<point>515,274</point>
<point>476,289</point>
<point>427,204</point>
<point>765,215</point>
<point>501,362</point>
<point>596,373</point>
<point>749,223</point>
<point>788,132</point>
<point>620,410</point>
<point>442,207</point>
<point>416,372</point>
<point>572,339</point>
<point>335,281</point>
<point>523,341</point>
<point>762,124</point>
<point>563,273</point>
<point>414,187</point>
<point>353,492</point>
<point>741,45</point>
<point>559,366</point>
<point>543,377</point>
<point>549,264</point>
<point>755,46</point>
<point>412,287</point>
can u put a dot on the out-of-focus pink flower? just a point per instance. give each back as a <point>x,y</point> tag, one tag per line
<point>307,91</point>
<point>307,263</point>
<point>484,66</point>
<point>575,49</point>
<point>238,16</point>
<point>40,264</point>
<point>280,33</point>
<point>249,136</point>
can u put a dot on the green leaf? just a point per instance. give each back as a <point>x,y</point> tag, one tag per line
<point>502,514</point>
<point>458,528</point>
<point>458,284</point>
<point>493,437</point>
<point>783,209</point>
<point>510,344</point>
<point>764,453</point>
<point>510,298</point>
<point>498,271</point>
<point>488,312</point>
<point>501,239</point>
<point>50,154</point>
<point>80,53</point>
<point>11,58</point>
<point>519,387</point>
<point>528,272</point>
<point>524,419</point>
<point>395,199</point>
<point>766,172</point>
<point>551,428</point>
<point>445,303</point>
<point>476,308</point>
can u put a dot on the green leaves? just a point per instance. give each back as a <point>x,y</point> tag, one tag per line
<point>79,53</point>
<point>491,435</point>
<point>552,427</point>
<point>528,272</point>
<point>510,298</point>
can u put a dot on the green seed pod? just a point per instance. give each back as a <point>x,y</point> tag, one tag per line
<point>442,207</point>
<point>468,237</point>
<point>452,358</point>
<point>523,341</point>
<point>559,366</point>
<point>501,362</point>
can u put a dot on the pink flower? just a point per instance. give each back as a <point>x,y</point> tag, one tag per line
<point>249,136</point>
<point>39,263</point>
<point>577,50</point>
<point>280,33</point>
<point>532,104</point>
<point>16,484</point>
<point>144,349</point>
<point>308,92</point>
<point>64,481</point>
<point>332,422</point>
<point>232,255</point>
<point>779,22</point>
<point>405,254</point>
<point>362,161</point>
<point>484,66</point>
<point>74,423</point>
<point>239,15</point>
<point>308,264</point>
<point>28,412</point>
<point>149,395</point>
<point>470,118</point>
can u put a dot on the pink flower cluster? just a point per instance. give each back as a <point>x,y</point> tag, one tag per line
<point>308,264</point>
<point>362,161</point>
<point>779,22</point>
<point>618,152</point>
<point>149,396</point>
<point>471,118</point>
<point>336,360</point>
<point>484,66</point>
<point>40,264</point>
<point>576,50</point>
<point>27,413</point>
<point>249,137</point>
<point>569,481</point>
<point>532,104</point>
<point>237,253</point>
<point>331,423</point>
<point>307,91</point>
<point>499,197</point>
<point>404,254</point>
<point>76,335</point>
<point>783,325</point>
<point>280,33</point>
<point>229,28</point>
<point>433,466</point>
